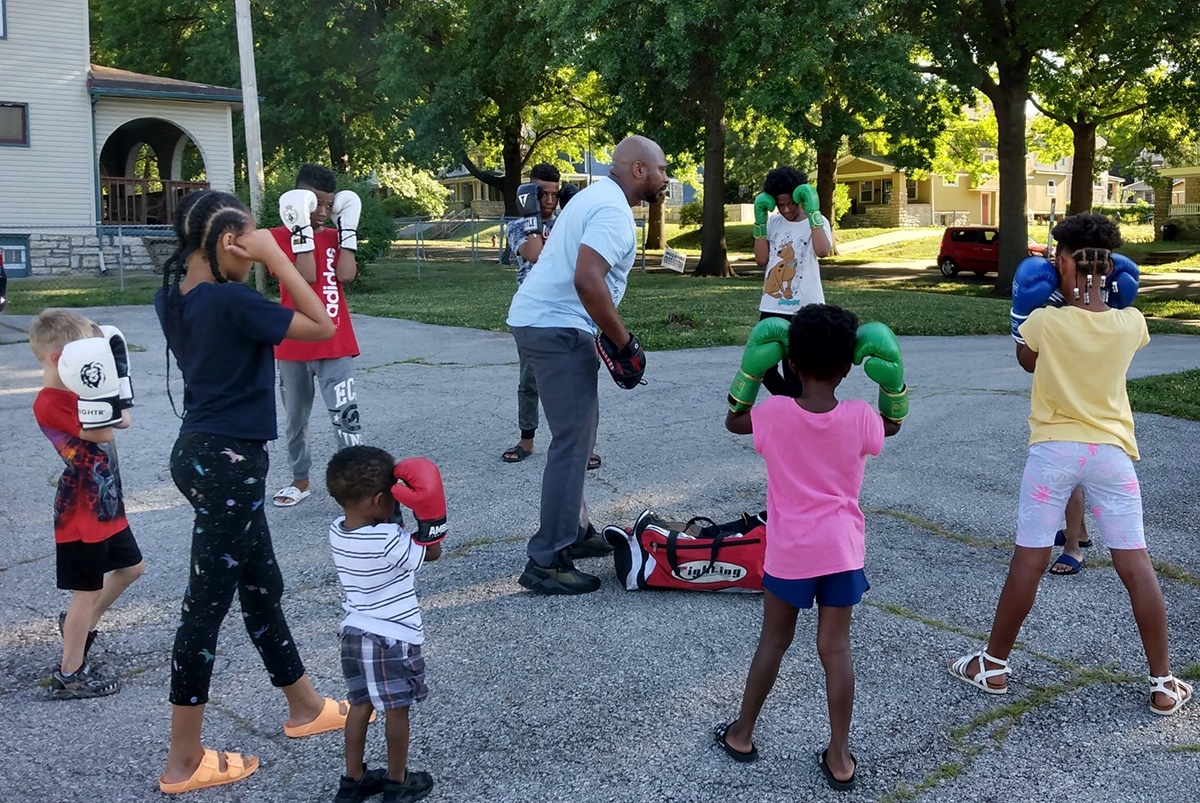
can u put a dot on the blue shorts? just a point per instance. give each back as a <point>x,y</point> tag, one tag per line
<point>840,590</point>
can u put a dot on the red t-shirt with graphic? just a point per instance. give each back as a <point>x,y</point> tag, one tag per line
<point>88,506</point>
<point>332,295</point>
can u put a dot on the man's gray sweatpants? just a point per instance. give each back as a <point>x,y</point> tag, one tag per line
<point>335,379</point>
<point>527,397</point>
<point>565,363</point>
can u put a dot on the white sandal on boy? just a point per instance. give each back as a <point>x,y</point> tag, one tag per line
<point>291,496</point>
<point>979,680</point>
<point>1181,693</point>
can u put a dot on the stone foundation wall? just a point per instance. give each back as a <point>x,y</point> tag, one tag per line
<point>53,254</point>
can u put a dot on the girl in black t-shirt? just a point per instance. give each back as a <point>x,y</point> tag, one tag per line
<point>221,333</point>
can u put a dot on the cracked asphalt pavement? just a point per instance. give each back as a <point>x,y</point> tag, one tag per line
<point>613,696</point>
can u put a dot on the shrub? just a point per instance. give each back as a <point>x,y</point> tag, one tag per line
<point>397,206</point>
<point>690,214</point>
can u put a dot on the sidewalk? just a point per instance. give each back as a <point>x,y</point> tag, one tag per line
<point>612,697</point>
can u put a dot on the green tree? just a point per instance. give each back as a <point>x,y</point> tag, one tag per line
<point>991,46</point>
<point>318,67</point>
<point>679,70</point>
<point>482,83</point>
<point>1109,69</point>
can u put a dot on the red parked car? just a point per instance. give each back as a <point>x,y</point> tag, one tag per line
<point>974,248</point>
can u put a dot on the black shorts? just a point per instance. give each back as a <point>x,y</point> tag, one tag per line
<point>82,566</point>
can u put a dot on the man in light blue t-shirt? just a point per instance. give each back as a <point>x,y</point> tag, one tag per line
<point>574,291</point>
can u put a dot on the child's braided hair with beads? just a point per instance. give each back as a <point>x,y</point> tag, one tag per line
<point>200,220</point>
<point>1090,239</point>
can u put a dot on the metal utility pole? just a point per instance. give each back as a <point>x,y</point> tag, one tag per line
<point>254,155</point>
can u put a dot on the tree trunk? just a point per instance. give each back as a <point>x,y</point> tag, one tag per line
<point>514,160</point>
<point>1162,203</point>
<point>714,260</point>
<point>656,232</point>
<point>1009,103</point>
<point>1083,167</point>
<point>339,158</point>
<point>827,182</point>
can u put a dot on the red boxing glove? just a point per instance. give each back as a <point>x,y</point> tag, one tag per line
<point>419,488</point>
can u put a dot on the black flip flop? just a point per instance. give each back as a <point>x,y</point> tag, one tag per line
<point>736,755</point>
<point>593,462</point>
<point>834,783</point>
<point>1060,539</point>
<point>518,453</point>
<point>1075,566</point>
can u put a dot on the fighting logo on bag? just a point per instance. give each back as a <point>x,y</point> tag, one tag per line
<point>700,555</point>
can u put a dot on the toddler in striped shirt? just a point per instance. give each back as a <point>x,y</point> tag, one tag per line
<point>377,561</point>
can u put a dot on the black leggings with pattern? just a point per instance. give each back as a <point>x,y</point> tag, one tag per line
<point>224,480</point>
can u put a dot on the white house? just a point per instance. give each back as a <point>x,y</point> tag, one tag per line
<point>73,134</point>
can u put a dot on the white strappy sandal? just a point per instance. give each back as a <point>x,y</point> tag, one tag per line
<point>960,669</point>
<point>1181,693</point>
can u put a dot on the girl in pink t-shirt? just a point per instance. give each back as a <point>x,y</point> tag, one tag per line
<point>815,448</point>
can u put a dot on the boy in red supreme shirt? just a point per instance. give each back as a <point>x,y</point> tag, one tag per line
<point>96,555</point>
<point>325,257</point>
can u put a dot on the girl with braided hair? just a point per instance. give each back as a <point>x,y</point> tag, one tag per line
<point>1081,434</point>
<point>222,332</point>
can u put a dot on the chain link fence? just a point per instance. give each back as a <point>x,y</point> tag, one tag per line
<point>88,265</point>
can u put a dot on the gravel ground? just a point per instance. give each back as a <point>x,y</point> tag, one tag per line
<point>612,697</point>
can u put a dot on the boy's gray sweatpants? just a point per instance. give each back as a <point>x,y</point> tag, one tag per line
<point>565,363</point>
<point>334,378</point>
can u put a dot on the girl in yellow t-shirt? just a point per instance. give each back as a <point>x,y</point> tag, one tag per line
<point>1081,434</point>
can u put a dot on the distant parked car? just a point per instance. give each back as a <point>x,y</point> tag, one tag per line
<point>974,248</point>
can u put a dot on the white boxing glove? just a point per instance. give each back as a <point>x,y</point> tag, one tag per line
<point>347,209</point>
<point>295,210</point>
<point>88,370</point>
<point>120,353</point>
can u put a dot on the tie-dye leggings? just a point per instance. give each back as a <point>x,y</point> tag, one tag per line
<point>223,479</point>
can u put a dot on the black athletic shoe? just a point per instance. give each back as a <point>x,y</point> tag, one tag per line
<point>352,791</point>
<point>91,637</point>
<point>561,578</point>
<point>416,786</point>
<point>82,684</point>
<point>591,547</point>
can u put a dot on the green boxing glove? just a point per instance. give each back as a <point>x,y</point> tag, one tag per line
<point>877,344</point>
<point>768,344</point>
<point>764,205</point>
<point>806,196</point>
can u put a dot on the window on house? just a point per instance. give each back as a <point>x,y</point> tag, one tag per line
<point>950,181</point>
<point>911,188</point>
<point>14,124</point>
<point>14,254</point>
<point>1051,189</point>
<point>887,191</point>
<point>3,22</point>
<point>866,192</point>
<point>1112,188</point>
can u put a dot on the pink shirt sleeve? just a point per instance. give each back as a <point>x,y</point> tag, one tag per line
<point>760,418</point>
<point>872,431</point>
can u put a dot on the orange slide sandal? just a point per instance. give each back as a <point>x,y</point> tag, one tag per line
<point>331,718</point>
<point>209,772</point>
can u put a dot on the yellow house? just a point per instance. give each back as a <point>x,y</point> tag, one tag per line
<point>1052,182</point>
<point>882,194</point>
<point>1185,201</point>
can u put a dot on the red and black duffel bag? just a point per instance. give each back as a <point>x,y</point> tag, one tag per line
<point>700,555</point>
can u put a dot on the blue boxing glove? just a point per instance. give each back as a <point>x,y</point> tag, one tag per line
<point>1035,285</point>
<point>1122,282</point>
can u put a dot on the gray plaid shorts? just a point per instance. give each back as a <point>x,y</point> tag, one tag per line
<point>384,672</point>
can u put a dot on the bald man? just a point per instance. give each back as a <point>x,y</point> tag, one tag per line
<point>579,281</point>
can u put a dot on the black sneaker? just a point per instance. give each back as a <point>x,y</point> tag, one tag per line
<point>416,786</point>
<point>561,578</point>
<point>352,791</point>
<point>590,546</point>
<point>82,684</point>
<point>91,637</point>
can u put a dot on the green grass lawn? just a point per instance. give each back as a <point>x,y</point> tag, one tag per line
<point>667,311</point>
<point>1176,395</point>
<point>924,249</point>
